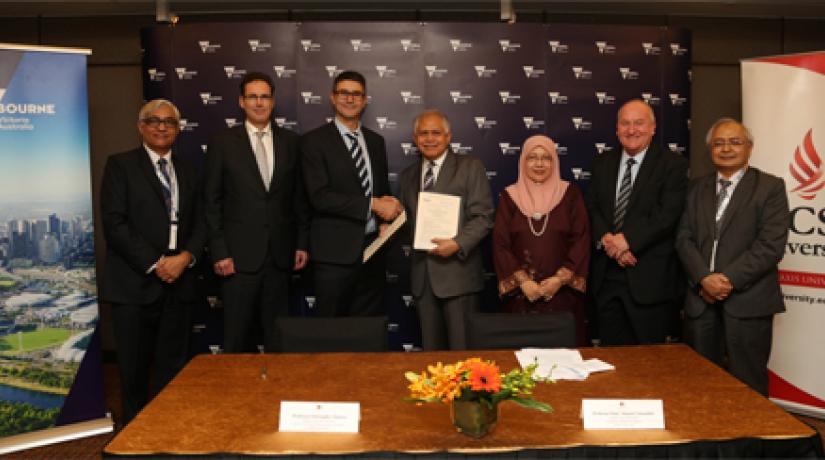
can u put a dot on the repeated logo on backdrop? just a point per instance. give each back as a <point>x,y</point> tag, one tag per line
<point>498,84</point>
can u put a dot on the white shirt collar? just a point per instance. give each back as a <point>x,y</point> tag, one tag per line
<point>154,156</point>
<point>438,161</point>
<point>638,158</point>
<point>343,129</point>
<point>252,129</point>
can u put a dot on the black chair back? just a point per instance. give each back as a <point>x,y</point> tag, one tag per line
<point>301,335</point>
<point>486,331</point>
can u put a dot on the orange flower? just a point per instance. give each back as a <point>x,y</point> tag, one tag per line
<point>484,376</point>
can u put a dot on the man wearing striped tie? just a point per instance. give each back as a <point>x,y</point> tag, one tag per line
<point>634,201</point>
<point>345,173</point>
<point>154,228</point>
<point>730,240</point>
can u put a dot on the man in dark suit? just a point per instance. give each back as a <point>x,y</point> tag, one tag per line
<point>634,202</point>
<point>730,240</point>
<point>257,217</point>
<point>153,223</point>
<point>446,279</point>
<point>345,172</point>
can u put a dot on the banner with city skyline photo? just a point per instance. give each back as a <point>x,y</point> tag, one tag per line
<point>48,294</point>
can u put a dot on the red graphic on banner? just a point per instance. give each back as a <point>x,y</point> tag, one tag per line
<point>808,173</point>
<point>814,280</point>
<point>782,389</point>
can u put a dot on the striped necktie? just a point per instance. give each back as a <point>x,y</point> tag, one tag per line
<point>623,198</point>
<point>165,184</point>
<point>429,177</point>
<point>360,163</point>
<point>720,198</point>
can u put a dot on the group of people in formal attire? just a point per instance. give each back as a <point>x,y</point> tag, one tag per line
<point>623,259</point>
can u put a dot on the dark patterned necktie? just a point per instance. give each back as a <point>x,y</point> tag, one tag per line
<point>624,196</point>
<point>720,198</point>
<point>429,177</point>
<point>360,164</point>
<point>165,184</point>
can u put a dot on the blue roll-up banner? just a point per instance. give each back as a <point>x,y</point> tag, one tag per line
<point>50,368</point>
<point>498,84</point>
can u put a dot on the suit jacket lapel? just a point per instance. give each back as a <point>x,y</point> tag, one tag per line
<point>643,176</point>
<point>279,154</point>
<point>613,172</point>
<point>148,170</point>
<point>446,173</point>
<point>707,204</point>
<point>247,155</point>
<point>744,189</point>
<point>184,184</point>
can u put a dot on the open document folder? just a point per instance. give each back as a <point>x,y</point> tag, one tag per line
<point>560,363</point>
<point>390,231</point>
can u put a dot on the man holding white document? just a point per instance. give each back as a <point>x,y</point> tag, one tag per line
<point>450,210</point>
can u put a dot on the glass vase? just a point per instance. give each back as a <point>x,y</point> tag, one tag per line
<point>474,418</point>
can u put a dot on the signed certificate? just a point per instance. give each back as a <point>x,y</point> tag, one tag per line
<point>436,217</point>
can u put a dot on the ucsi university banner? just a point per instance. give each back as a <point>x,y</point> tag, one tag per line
<point>782,99</point>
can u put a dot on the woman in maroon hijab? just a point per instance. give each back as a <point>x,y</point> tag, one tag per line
<point>541,238</point>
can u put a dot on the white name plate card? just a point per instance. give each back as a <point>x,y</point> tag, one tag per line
<point>623,414</point>
<point>319,417</point>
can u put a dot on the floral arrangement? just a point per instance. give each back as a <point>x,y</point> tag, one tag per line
<point>475,380</point>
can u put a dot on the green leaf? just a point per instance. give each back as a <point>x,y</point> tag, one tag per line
<point>531,403</point>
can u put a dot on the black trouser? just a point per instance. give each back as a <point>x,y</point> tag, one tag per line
<point>143,333</point>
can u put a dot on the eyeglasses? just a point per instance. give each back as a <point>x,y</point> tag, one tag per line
<point>733,142</point>
<point>257,97</point>
<point>155,122</point>
<point>344,94</point>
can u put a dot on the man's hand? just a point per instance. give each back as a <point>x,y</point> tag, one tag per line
<point>224,267</point>
<point>445,247</point>
<point>550,286</point>
<point>531,290</point>
<point>717,285</point>
<point>706,297</point>
<point>626,259</point>
<point>301,259</point>
<point>386,207</point>
<point>614,244</point>
<point>170,268</point>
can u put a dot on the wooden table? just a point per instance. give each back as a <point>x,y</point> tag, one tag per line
<point>220,404</point>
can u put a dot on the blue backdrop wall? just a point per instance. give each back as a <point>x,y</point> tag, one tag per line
<point>498,84</point>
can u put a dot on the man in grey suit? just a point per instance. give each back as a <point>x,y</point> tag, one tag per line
<point>445,281</point>
<point>731,238</point>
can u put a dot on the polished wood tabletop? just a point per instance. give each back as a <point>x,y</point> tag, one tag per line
<point>223,404</point>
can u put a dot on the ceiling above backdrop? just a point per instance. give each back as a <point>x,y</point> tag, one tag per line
<point>528,10</point>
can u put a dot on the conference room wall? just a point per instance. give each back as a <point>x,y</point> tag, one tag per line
<point>115,88</point>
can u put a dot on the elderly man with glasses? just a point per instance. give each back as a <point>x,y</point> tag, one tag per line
<point>731,237</point>
<point>155,232</point>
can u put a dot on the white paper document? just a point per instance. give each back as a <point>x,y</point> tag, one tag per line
<point>436,217</point>
<point>388,232</point>
<point>319,417</point>
<point>623,414</point>
<point>560,363</point>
